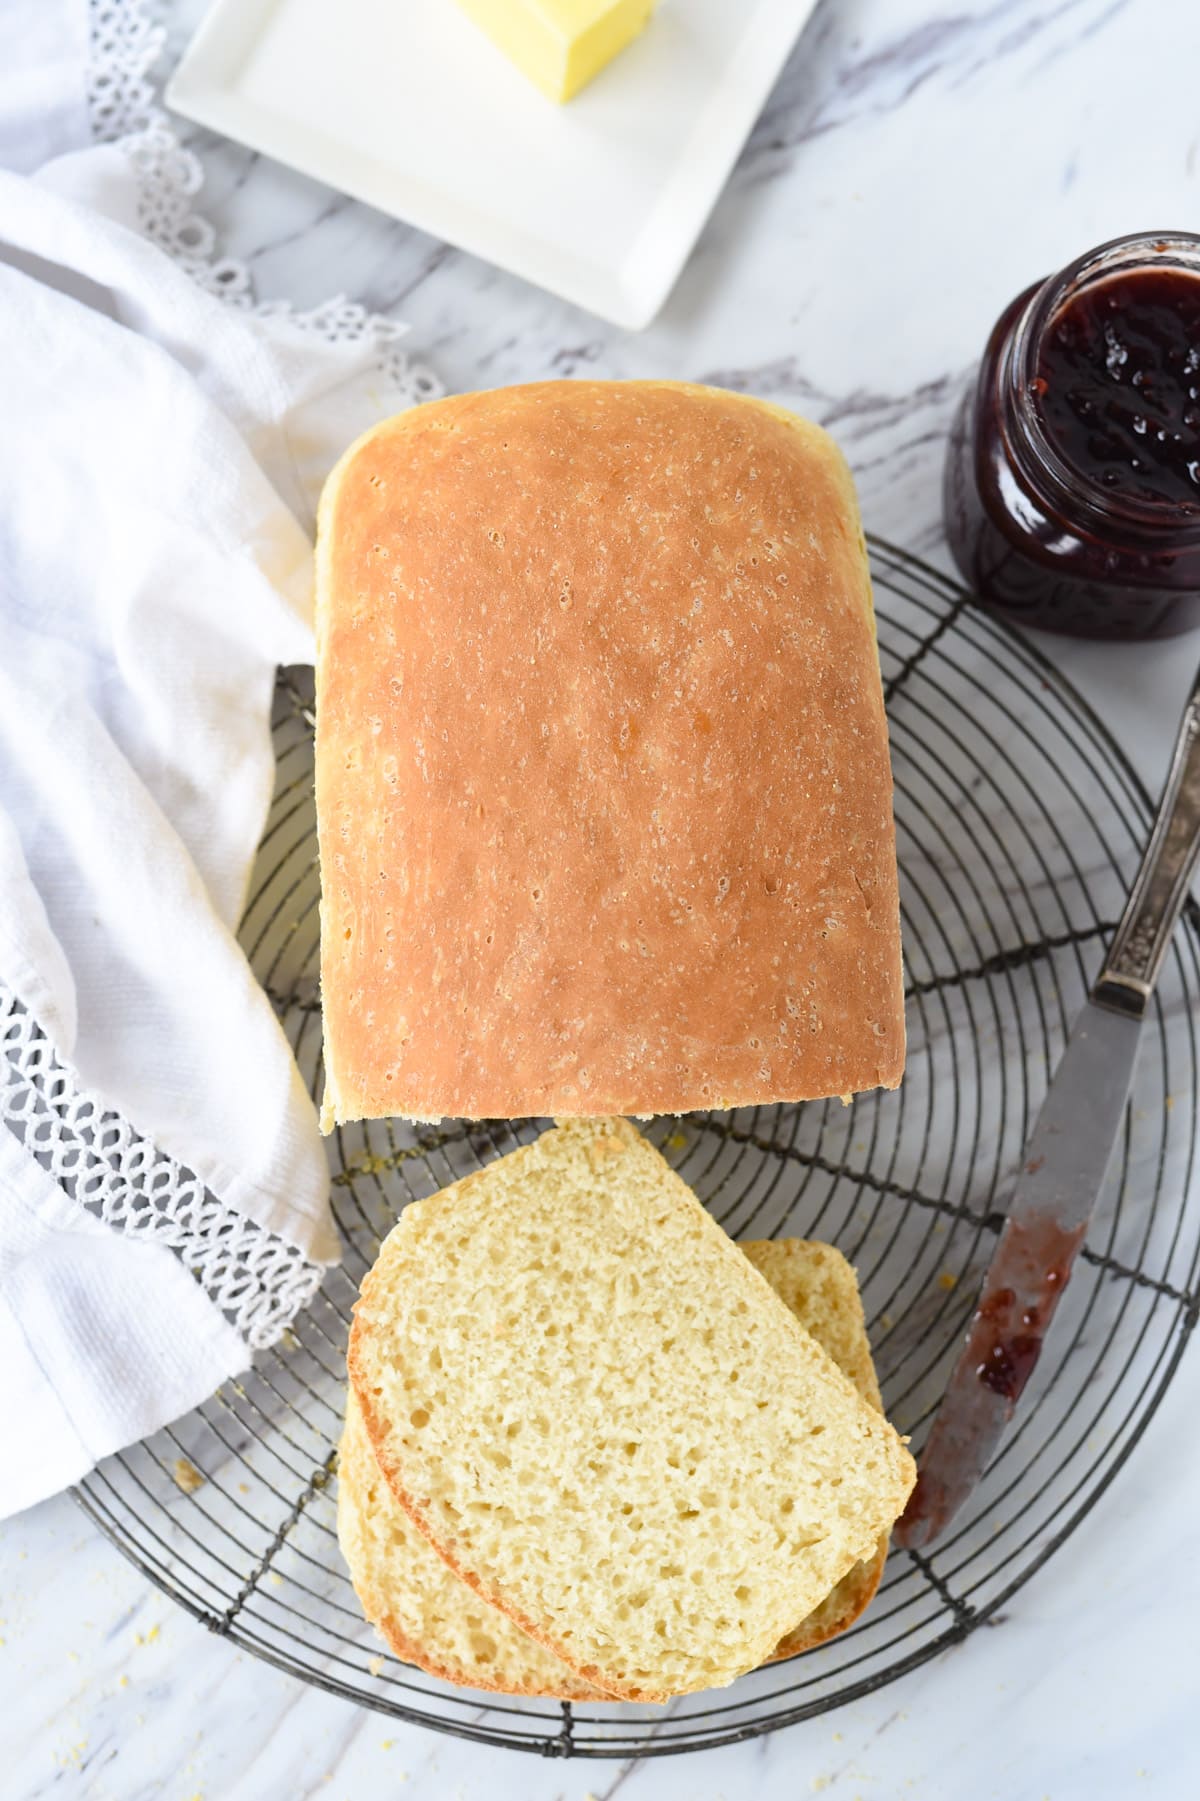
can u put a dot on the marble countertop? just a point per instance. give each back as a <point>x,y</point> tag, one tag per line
<point>914,167</point>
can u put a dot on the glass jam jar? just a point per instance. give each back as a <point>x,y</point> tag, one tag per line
<point>1072,484</point>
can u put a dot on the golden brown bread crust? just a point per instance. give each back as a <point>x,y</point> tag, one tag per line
<point>602,776</point>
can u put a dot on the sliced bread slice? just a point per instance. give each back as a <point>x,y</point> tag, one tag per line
<point>821,1289</point>
<point>605,1421</point>
<point>426,1613</point>
<point>433,1619</point>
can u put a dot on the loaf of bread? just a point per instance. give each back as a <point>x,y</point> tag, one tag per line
<point>605,1421</point>
<point>603,790</point>
<point>431,1618</point>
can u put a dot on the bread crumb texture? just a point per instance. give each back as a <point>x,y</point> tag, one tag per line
<point>426,1613</point>
<point>608,1424</point>
<point>603,789</point>
<point>820,1288</point>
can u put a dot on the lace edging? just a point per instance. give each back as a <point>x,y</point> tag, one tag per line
<point>258,1280</point>
<point>125,44</point>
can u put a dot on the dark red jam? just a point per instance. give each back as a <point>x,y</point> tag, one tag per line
<point>1030,1269</point>
<point>1117,387</point>
<point>1073,474</point>
<point>1010,1323</point>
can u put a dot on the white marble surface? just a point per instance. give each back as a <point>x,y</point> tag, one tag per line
<point>914,168</point>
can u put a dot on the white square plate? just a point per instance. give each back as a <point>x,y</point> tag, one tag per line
<point>406,104</point>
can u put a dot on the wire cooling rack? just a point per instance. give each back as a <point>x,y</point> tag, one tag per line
<point>1019,824</point>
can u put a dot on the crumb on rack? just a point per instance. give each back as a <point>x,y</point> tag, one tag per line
<point>947,1280</point>
<point>187,1476</point>
<point>368,1164</point>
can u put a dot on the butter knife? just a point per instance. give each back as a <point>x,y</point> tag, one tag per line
<point>1064,1166</point>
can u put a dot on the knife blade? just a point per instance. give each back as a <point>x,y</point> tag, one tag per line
<point>1064,1166</point>
<point>1066,1161</point>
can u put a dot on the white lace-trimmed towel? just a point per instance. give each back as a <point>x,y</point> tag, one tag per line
<point>163,1188</point>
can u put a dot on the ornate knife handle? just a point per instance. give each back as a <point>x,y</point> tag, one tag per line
<point>1161,885</point>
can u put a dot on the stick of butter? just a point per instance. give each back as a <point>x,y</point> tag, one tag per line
<point>560,44</point>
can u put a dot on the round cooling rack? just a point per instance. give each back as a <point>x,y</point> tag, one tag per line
<point>1019,824</point>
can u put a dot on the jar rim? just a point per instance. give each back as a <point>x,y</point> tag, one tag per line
<point>1071,487</point>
